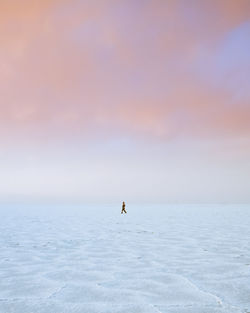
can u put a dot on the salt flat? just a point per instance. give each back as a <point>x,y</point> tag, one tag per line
<point>157,258</point>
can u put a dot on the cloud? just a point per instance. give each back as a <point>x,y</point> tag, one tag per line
<point>144,68</point>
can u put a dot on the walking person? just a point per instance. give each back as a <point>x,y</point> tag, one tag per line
<point>123,208</point>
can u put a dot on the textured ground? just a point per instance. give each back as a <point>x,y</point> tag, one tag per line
<point>169,259</point>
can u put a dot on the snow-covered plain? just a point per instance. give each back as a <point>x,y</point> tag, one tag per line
<point>158,258</point>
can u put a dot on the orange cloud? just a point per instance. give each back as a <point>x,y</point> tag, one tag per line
<point>108,67</point>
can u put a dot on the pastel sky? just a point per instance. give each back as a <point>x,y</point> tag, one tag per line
<point>136,100</point>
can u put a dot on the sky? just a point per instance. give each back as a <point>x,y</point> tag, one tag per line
<point>136,100</point>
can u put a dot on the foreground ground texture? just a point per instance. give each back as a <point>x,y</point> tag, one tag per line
<point>169,259</point>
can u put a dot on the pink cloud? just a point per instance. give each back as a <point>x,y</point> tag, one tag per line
<point>89,68</point>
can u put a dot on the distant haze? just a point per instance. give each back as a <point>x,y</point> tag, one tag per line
<point>142,101</point>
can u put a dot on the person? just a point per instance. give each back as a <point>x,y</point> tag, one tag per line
<point>123,208</point>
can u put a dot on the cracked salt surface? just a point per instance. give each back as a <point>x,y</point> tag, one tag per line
<point>168,259</point>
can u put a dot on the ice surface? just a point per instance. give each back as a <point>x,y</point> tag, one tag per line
<point>92,259</point>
